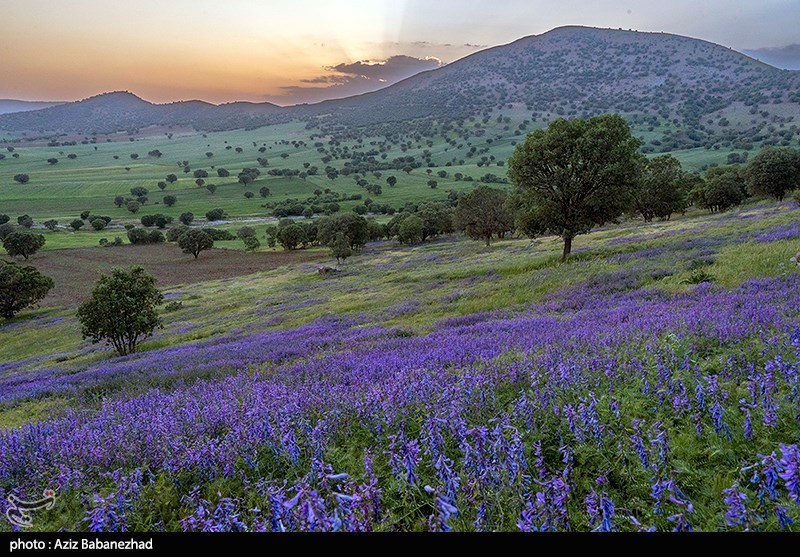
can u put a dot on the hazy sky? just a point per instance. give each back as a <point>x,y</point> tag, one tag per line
<point>306,50</point>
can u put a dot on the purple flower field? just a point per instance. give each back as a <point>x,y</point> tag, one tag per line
<point>606,407</point>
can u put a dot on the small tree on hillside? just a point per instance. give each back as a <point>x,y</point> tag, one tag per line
<point>340,248</point>
<point>170,200</point>
<point>194,241</point>
<point>576,175</point>
<point>411,230</point>
<point>122,310</point>
<point>51,224</point>
<point>186,218</point>
<point>21,287</point>
<point>23,243</point>
<point>133,206</point>
<point>22,178</point>
<point>291,237</point>
<point>773,172</point>
<point>482,213</point>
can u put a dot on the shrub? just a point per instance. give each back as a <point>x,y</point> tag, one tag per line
<point>215,215</point>
<point>21,287</point>
<point>98,224</point>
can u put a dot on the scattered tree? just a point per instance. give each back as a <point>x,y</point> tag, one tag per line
<point>576,175</point>
<point>22,178</point>
<point>170,200</point>
<point>484,213</point>
<point>21,287</point>
<point>194,241</point>
<point>340,248</point>
<point>411,230</point>
<point>660,191</point>
<point>292,237</point>
<point>773,172</point>
<point>215,214</point>
<point>51,224</point>
<point>119,201</point>
<point>186,218</point>
<point>23,243</point>
<point>98,224</point>
<point>122,310</point>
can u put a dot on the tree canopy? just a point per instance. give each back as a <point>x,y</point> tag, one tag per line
<point>21,287</point>
<point>23,243</point>
<point>773,172</point>
<point>576,175</point>
<point>122,310</point>
<point>194,241</point>
<point>483,213</point>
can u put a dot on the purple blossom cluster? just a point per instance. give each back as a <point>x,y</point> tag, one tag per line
<point>488,422</point>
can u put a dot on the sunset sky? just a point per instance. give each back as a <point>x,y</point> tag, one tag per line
<point>289,51</point>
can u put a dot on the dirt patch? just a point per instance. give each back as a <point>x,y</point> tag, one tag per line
<point>75,271</point>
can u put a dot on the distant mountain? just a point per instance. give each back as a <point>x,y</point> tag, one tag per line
<point>787,57</point>
<point>574,71</point>
<point>10,106</point>
<point>707,94</point>
<point>120,111</point>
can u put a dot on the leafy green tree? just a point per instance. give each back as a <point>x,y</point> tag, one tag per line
<point>139,191</point>
<point>264,191</point>
<point>170,200</point>
<point>25,221</point>
<point>660,191</point>
<point>119,201</point>
<point>484,213</point>
<point>6,229</point>
<point>292,237</point>
<point>223,173</point>
<point>438,220</point>
<point>353,227</point>
<point>723,188</point>
<point>340,247</point>
<point>162,185</point>
<point>51,224</point>
<point>22,178</point>
<point>411,230</point>
<point>392,181</point>
<point>215,214</point>
<point>122,311</point>
<point>773,172</point>
<point>186,218</point>
<point>172,178</point>
<point>21,287</point>
<point>4,219</point>
<point>98,224</point>
<point>251,243</point>
<point>174,233</point>
<point>272,235</point>
<point>212,189</point>
<point>576,175</point>
<point>194,241</point>
<point>23,243</point>
<point>133,206</point>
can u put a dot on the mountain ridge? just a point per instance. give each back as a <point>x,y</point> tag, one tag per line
<point>566,72</point>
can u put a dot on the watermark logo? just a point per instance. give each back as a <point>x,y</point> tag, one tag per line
<point>19,510</point>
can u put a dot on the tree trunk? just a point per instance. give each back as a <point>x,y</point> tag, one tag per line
<point>488,241</point>
<point>567,248</point>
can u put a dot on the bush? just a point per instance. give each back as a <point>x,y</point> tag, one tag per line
<point>98,224</point>
<point>215,215</point>
<point>251,243</point>
<point>50,224</point>
<point>139,236</point>
<point>292,237</point>
<point>219,235</point>
<point>174,233</point>
<point>170,200</point>
<point>186,218</point>
<point>21,287</point>
<point>77,224</point>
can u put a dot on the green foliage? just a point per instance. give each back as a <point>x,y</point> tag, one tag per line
<point>186,218</point>
<point>722,189</point>
<point>51,224</point>
<point>353,228</point>
<point>660,191</point>
<point>174,233</point>
<point>98,224</point>
<point>23,243</point>
<point>133,206</point>
<point>484,213</point>
<point>411,230</point>
<point>773,172</point>
<point>122,310</point>
<point>139,191</point>
<point>4,219</point>
<point>170,200</point>
<point>251,243</point>
<point>195,241</point>
<point>340,247</point>
<point>215,214</point>
<point>21,287</point>
<point>576,175</point>
<point>291,237</point>
<point>219,235</point>
<point>140,236</point>
<point>22,178</point>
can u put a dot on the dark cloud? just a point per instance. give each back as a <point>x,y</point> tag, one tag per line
<point>787,57</point>
<point>355,78</point>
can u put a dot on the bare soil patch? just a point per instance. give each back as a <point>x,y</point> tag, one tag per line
<point>75,271</point>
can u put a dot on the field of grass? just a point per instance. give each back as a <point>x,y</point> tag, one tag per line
<point>104,169</point>
<point>626,359</point>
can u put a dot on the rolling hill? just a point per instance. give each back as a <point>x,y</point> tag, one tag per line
<point>10,106</point>
<point>708,92</point>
